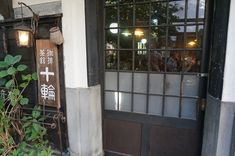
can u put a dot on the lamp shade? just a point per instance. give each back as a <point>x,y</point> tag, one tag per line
<point>24,36</point>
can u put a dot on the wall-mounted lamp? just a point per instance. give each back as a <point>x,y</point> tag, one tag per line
<point>24,33</point>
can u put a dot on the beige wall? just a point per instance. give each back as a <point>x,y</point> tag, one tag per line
<point>31,2</point>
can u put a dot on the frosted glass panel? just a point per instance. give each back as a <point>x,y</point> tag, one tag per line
<point>111,99</point>
<point>125,102</point>
<point>125,81</point>
<point>111,80</point>
<point>139,103</point>
<point>140,83</point>
<point>156,83</point>
<point>171,108</point>
<point>190,85</point>
<point>189,108</point>
<point>155,105</point>
<point>173,84</point>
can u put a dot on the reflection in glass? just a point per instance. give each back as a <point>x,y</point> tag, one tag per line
<point>158,13</point>
<point>125,81</point>
<point>176,11</point>
<point>142,15</point>
<point>171,108</point>
<point>111,2</point>
<point>110,80</point>
<point>191,61</point>
<point>174,61</point>
<point>201,8</point>
<point>110,40</point>
<point>189,108</point>
<point>110,59</point>
<point>125,1</point>
<point>125,60</point>
<point>141,38</point>
<point>176,37</point>
<point>192,7</point>
<point>191,37</point>
<point>141,60</point>
<point>155,105</point>
<point>126,15</point>
<point>126,39</point>
<point>139,103</point>
<point>125,102</point>
<point>111,16</point>
<point>172,84</point>
<point>157,62</point>
<point>158,38</point>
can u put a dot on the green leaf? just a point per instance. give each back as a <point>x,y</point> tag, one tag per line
<point>2,82</point>
<point>21,67</point>
<point>11,71</point>
<point>16,59</point>
<point>35,76</point>
<point>9,83</point>
<point>9,59</point>
<point>27,77</point>
<point>24,101</point>
<point>3,73</point>
<point>24,85</point>
<point>16,92</point>
<point>3,64</point>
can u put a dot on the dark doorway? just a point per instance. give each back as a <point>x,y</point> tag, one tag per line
<point>154,73</point>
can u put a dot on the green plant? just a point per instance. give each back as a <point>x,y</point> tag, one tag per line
<point>20,134</point>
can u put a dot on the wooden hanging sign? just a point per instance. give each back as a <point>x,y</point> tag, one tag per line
<point>48,73</point>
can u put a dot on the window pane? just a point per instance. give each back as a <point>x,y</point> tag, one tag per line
<point>191,61</point>
<point>176,37</point>
<point>140,83</point>
<point>176,11</point>
<point>156,83</point>
<point>189,108</point>
<point>158,13</point>
<point>172,84</point>
<point>126,15</point>
<point>191,37</point>
<point>125,102</point>
<point>139,103</point>
<point>174,61</point>
<point>142,15</point>
<point>171,108</point>
<point>111,100</point>
<point>126,1</point>
<point>126,40</point>
<point>192,7</point>
<point>141,60</point>
<point>111,59</point>
<point>190,85</point>
<point>141,38</point>
<point>201,9</point>
<point>111,39</point>
<point>125,81</point>
<point>111,80</point>
<point>111,16</point>
<point>155,105</point>
<point>125,60</point>
<point>157,62</point>
<point>158,37</point>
